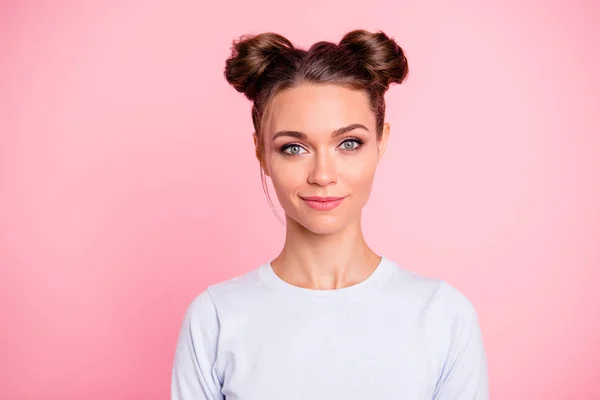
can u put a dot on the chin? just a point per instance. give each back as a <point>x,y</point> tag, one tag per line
<point>322,225</point>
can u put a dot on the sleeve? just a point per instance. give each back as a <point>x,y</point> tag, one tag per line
<point>464,374</point>
<point>194,375</point>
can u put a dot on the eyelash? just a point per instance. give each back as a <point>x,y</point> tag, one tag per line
<point>350,139</point>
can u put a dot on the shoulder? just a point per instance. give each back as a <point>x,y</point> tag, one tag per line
<point>447,316</point>
<point>412,286</point>
<point>200,309</point>
<point>439,297</point>
<point>453,312</point>
<point>235,290</point>
<point>454,303</point>
<point>237,287</point>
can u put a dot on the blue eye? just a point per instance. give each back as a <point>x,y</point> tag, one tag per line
<point>292,149</point>
<point>351,144</point>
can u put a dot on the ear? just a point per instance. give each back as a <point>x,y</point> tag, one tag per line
<point>384,139</point>
<point>258,154</point>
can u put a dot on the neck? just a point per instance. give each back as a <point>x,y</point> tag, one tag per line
<point>319,261</point>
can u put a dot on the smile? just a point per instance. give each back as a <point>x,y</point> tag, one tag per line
<point>323,203</point>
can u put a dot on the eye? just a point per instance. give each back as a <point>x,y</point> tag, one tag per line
<point>351,144</point>
<point>292,149</point>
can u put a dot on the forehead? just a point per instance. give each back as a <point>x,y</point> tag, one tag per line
<point>313,108</point>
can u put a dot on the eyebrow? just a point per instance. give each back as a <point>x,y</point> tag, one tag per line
<point>336,133</point>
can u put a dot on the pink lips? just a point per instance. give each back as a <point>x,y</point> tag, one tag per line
<point>323,203</point>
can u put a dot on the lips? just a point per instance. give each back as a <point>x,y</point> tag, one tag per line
<point>323,203</point>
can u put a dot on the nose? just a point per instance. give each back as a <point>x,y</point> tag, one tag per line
<point>323,171</point>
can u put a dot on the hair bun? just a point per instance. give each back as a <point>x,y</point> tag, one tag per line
<point>250,57</point>
<point>381,56</point>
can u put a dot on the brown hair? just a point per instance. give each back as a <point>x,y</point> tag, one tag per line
<point>262,65</point>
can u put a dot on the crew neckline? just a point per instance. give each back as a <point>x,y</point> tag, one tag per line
<point>378,276</point>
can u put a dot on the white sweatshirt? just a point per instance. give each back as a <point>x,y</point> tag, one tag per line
<point>396,335</point>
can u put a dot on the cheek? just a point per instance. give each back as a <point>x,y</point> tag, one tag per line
<point>358,174</point>
<point>286,176</point>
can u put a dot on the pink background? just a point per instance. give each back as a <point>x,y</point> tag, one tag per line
<point>128,181</point>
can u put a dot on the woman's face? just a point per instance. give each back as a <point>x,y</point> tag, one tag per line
<point>321,152</point>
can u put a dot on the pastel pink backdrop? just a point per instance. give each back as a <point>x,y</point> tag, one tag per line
<point>128,181</point>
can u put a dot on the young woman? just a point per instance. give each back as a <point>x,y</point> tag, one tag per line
<point>327,318</point>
